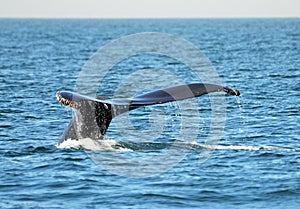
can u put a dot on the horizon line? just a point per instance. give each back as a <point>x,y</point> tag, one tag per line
<point>204,17</point>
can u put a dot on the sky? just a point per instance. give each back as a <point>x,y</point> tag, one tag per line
<point>148,8</point>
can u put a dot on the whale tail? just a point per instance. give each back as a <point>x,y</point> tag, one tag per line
<point>94,115</point>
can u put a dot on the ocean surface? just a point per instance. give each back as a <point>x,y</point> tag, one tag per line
<point>254,164</point>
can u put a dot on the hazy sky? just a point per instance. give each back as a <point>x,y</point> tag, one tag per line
<point>149,8</point>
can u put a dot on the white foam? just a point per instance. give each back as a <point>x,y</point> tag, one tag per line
<point>90,144</point>
<point>112,145</point>
<point>236,147</point>
<point>69,144</point>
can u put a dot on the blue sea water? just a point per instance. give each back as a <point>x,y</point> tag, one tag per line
<point>259,57</point>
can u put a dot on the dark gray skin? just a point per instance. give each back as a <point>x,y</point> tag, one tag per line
<point>92,117</point>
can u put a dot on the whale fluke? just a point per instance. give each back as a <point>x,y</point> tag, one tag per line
<point>92,116</point>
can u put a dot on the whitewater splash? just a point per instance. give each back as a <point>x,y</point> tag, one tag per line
<point>91,144</point>
<point>112,145</point>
